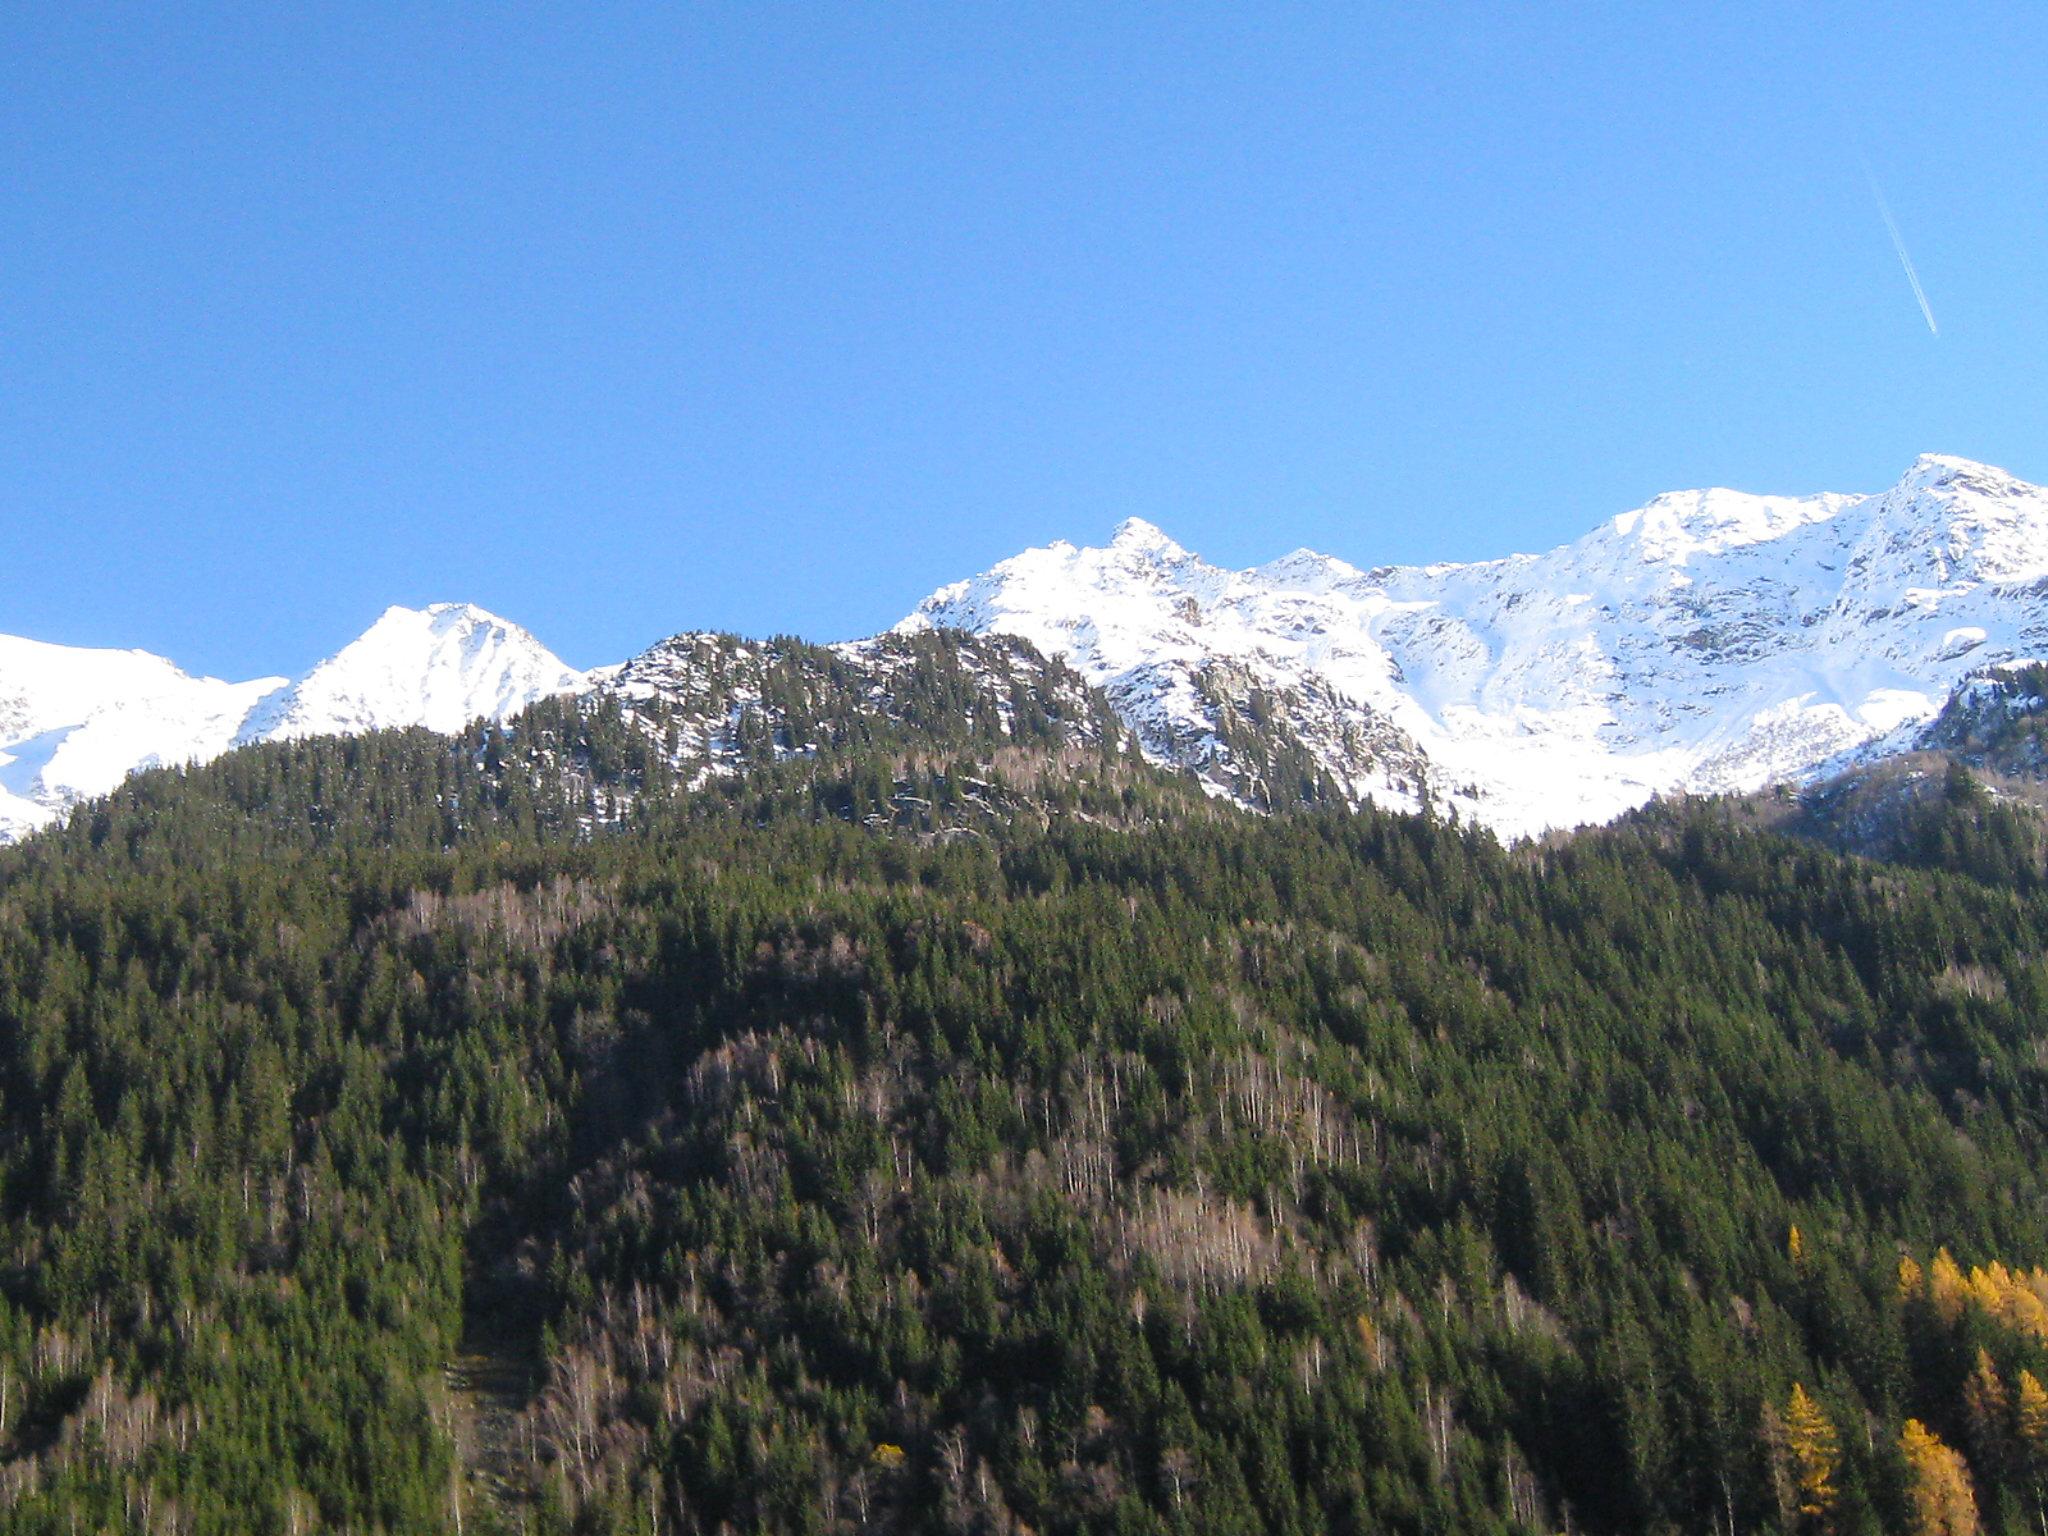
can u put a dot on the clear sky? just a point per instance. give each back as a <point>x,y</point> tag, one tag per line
<point>772,317</point>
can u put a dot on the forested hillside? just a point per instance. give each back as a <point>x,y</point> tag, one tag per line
<point>966,1128</point>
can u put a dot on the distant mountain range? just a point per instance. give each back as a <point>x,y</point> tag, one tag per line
<point>1709,641</point>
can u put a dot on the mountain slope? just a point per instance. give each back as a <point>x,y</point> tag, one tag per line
<point>1709,641</point>
<point>933,732</point>
<point>1224,1173</point>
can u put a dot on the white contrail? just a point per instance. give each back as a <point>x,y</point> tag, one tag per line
<point>1898,244</point>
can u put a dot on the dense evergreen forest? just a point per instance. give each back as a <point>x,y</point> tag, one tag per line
<point>973,1130</point>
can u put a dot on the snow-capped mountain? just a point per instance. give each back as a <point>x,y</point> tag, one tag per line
<point>1711,640</point>
<point>440,667</point>
<point>1708,641</point>
<point>75,722</point>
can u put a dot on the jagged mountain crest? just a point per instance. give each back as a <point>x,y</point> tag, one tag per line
<point>1708,641</point>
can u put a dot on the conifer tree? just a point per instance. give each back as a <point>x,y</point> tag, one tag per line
<point>1938,1482</point>
<point>1805,1452</point>
<point>1987,1413</point>
<point>1946,1287</point>
<point>2031,1433</point>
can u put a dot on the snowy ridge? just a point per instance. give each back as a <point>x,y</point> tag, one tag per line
<point>1708,641</point>
<point>75,722</point>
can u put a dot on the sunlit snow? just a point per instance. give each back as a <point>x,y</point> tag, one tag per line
<point>1711,640</point>
<point>1708,641</point>
<point>75,722</point>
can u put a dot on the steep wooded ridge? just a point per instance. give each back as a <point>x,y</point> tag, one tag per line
<point>862,1091</point>
<point>1708,642</point>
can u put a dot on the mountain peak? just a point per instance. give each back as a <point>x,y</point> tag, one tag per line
<point>1952,464</point>
<point>1942,471</point>
<point>441,666</point>
<point>1134,534</point>
<point>438,618</point>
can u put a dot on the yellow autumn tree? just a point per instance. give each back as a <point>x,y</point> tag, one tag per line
<point>2033,1416</point>
<point>2033,1412</point>
<point>1946,1287</point>
<point>2016,1298</point>
<point>1987,1411</point>
<point>1944,1503</point>
<point>1795,1246</point>
<point>2030,1425</point>
<point>2012,1296</point>
<point>1813,1452</point>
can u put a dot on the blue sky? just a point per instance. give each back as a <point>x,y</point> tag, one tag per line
<point>622,320</point>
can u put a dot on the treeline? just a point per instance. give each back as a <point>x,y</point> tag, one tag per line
<point>1066,1155</point>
